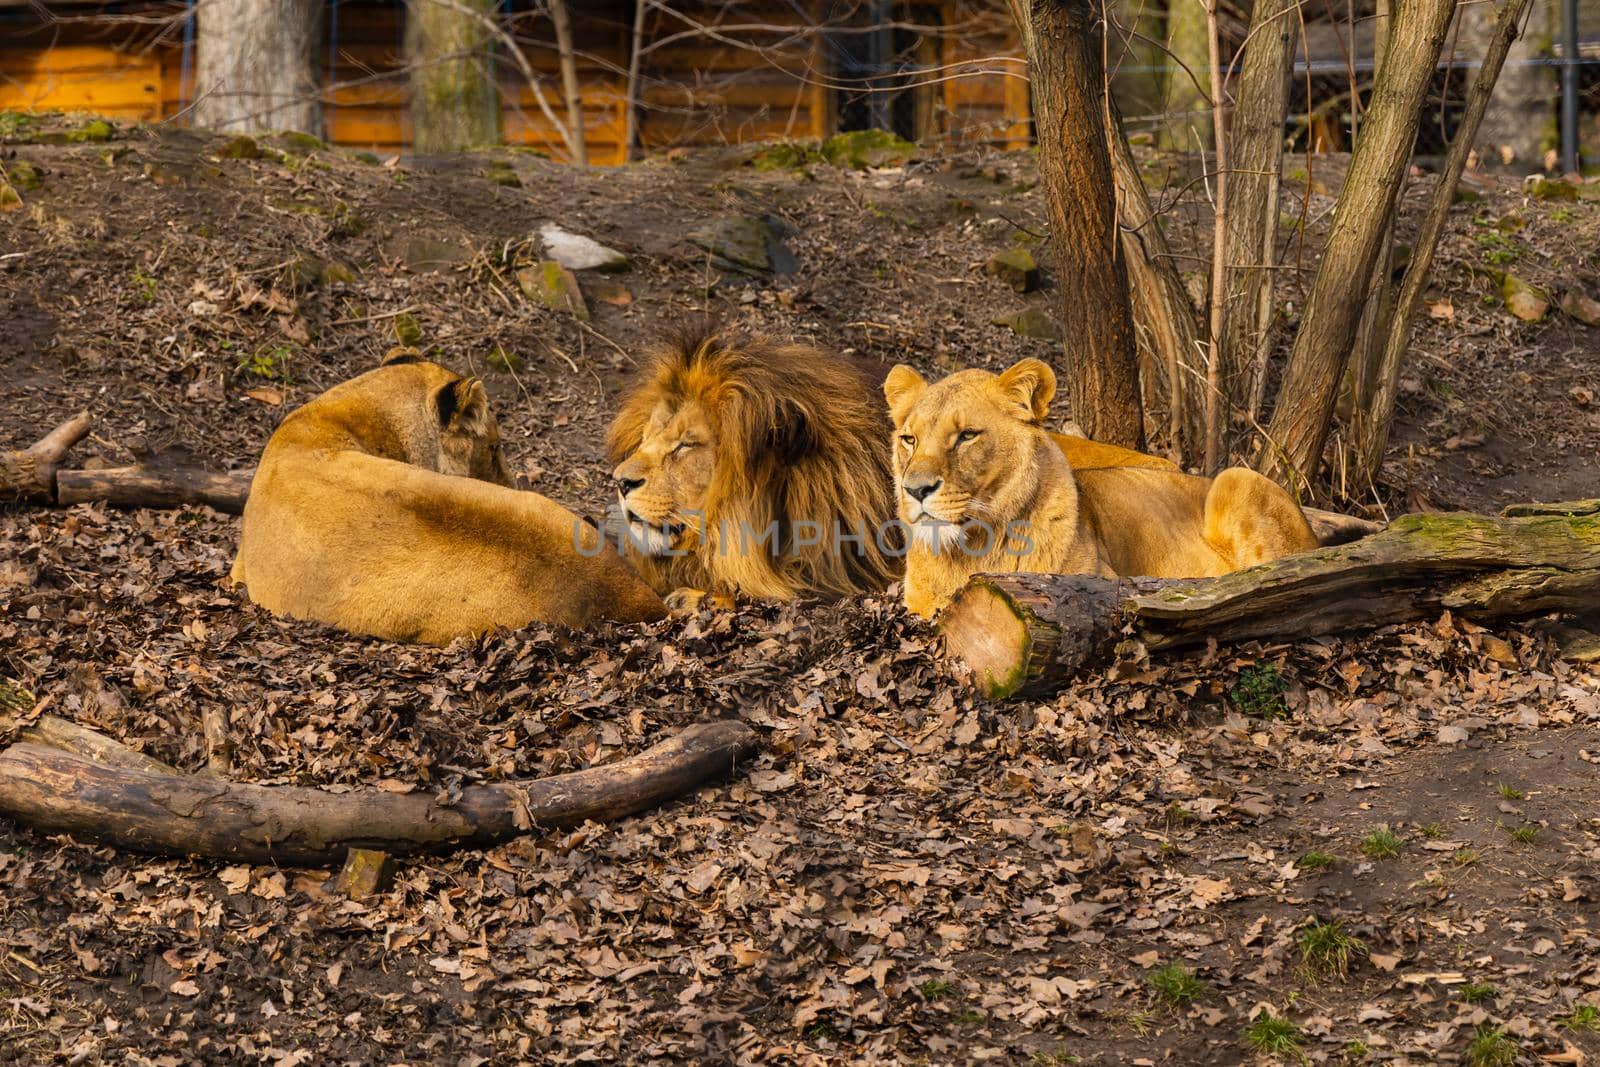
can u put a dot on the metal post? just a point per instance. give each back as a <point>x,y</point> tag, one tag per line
<point>1569,86</point>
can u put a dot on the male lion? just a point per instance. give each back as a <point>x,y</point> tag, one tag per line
<point>725,439</point>
<point>983,487</point>
<point>383,507</point>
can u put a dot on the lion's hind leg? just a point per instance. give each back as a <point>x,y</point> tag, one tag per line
<point>1251,519</point>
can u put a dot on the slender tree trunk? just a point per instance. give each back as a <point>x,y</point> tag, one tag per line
<point>1163,320</point>
<point>1255,150</point>
<point>1367,352</point>
<point>1216,391</point>
<point>1299,427</point>
<point>630,113</point>
<point>1066,76</point>
<point>256,65</point>
<point>455,104</point>
<point>569,80</point>
<point>1188,125</point>
<point>1379,416</point>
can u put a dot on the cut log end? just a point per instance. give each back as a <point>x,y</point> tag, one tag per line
<point>988,632</point>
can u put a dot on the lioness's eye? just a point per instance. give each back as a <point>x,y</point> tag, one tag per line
<point>907,440</point>
<point>684,446</point>
<point>966,435</point>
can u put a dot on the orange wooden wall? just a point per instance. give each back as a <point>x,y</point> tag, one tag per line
<point>694,92</point>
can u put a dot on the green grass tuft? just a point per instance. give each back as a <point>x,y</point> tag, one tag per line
<point>1478,992</point>
<point>1327,947</point>
<point>1382,844</point>
<point>1490,1047</point>
<point>1464,857</point>
<point>1258,691</point>
<point>1584,1017</point>
<point>1508,792</point>
<point>1527,833</point>
<point>1271,1035</point>
<point>1176,984</point>
<point>1317,860</point>
<point>1433,831</point>
<point>936,988</point>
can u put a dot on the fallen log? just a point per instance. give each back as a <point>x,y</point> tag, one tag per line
<point>55,791</point>
<point>35,475</point>
<point>144,487</point>
<point>1031,634</point>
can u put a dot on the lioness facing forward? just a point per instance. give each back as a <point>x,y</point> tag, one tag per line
<point>383,507</point>
<point>984,488</point>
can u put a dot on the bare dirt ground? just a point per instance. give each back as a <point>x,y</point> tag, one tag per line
<point>1390,859</point>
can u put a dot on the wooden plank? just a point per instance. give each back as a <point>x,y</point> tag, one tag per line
<point>86,91</point>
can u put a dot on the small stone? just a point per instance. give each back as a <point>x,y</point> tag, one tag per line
<point>860,149</point>
<point>10,199</point>
<point>783,156</point>
<point>406,330</point>
<point>1580,306</point>
<point>369,158</point>
<point>577,252</point>
<point>302,272</point>
<point>299,143</point>
<point>1500,651</point>
<point>24,175</point>
<point>555,287</point>
<point>1015,267</point>
<point>611,292</point>
<point>1548,189</point>
<point>422,253</point>
<point>240,147</point>
<point>503,361</point>
<point>502,174</point>
<point>746,245</point>
<point>1522,299</point>
<point>334,273</point>
<point>1031,321</point>
<point>166,175</point>
<point>366,873</point>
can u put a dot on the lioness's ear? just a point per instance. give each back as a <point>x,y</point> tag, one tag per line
<point>401,354</point>
<point>1032,384</point>
<point>902,389</point>
<point>463,406</point>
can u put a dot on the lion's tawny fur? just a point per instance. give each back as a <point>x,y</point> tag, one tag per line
<point>376,509</point>
<point>986,489</point>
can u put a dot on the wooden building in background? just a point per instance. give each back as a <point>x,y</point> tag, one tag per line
<point>951,70</point>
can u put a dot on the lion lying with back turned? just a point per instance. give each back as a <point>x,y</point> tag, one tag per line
<point>383,507</point>
<point>984,488</point>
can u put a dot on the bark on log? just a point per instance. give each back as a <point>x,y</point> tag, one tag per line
<point>30,474</point>
<point>54,732</point>
<point>53,791</point>
<point>139,487</point>
<point>1030,634</point>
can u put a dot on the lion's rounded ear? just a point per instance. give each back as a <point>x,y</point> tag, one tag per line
<point>902,388</point>
<point>401,354</point>
<point>1032,384</point>
<point>463,406</point>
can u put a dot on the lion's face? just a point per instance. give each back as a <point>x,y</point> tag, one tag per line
<point>662,486</point>
<point>965,448</point>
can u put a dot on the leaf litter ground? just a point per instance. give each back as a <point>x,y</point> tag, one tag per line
<point>903,875</point>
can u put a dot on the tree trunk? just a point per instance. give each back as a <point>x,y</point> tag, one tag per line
<point>1067,81</point>
<point>1261,105</point>
<point>1187,125</point>
<point>1163,320</point>
<point>56,791</point>
<point>1519,124</point>
<point>455,104</point>
<point>256,66</point>
<point>1379,413</point>
<point>630,103</point>
<point>569,81</point>
<point>1292,452</point>
<point>1030,634</point>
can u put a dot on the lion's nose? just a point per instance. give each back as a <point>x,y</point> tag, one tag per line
<point>628,485</point>
<point>920,489</point>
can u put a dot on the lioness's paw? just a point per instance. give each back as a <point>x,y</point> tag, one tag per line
<point>687,601</point>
